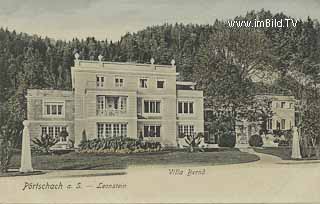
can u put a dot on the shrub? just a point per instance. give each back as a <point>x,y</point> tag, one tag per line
<point>181,135</point>
<point>44,143</point>
<point>118,145</point>
<point>283,143</point>
<point>64,134</point>
<point>276,140</point>
<point>286,133</point>
<point>5,154</point>
<point>255,141</point>
<point>194,141</point>
<point>227,139</point>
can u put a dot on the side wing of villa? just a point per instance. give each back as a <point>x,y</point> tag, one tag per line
<point>111,99</point>
<point>283,118</point>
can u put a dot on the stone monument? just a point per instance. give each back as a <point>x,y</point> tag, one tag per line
<point>26,165</point>
<point>295,144</point>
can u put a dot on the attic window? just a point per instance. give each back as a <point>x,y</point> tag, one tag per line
<point>160,84</point>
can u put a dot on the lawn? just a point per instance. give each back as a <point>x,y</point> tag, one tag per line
<point>84,161</point>
<point>282,152</point>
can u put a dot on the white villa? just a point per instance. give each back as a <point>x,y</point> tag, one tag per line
<point>110,99</point>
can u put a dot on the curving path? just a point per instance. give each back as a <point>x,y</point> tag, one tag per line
<point>264,158</point>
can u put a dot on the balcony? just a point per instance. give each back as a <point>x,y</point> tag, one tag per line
<point>111,112</point>
<point>111,106</point>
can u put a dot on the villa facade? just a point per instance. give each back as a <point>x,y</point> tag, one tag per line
<point>111,99</point>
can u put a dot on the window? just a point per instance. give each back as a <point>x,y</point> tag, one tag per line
<point>116,103</point>
<point>291,106</point>
<point>191,108</point>
<point>60,109</point>
<point>185,107</point>
<point>108,128</point>
<point>44,130</point>
<point>100,130</point>
<point>186,130</point>
<point>123,103</point>
<point>283,124</point>
<point>180,109</point>
<point>160,84</point>
<point>283,104</point>
<point>116,130</point>
<point>151,130</point>
<point>151,106</point>
<point>180,130</point>
<point>269,124</point>
<point>100,102</point>
<point>191,129</point>
<point>143,83</point>
<point>54,108</point>
<point>111,130</point>
<point>48,108</point>
<point>123,132</point>
<point>100,81</point>
<point>57,130</point>
<point>52,131</point>
<point>119,82</point>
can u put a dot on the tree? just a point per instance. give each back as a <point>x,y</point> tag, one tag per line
<point>8,139</point>
<point>226,68</point>
<point>310,125</point>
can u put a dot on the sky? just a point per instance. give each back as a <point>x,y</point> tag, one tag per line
<point>66,19</point>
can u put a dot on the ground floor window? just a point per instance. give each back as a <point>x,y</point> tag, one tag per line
<point>111,130</point>
<point>283,124</point>
<point>151,130</point>
<point>185,130</point>
<point>269,124</point>
<point>53,131</point>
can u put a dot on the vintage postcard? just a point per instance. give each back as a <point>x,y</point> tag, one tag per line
<point>158,101</point>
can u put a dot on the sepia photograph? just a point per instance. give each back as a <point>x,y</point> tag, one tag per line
<point>159,101</point>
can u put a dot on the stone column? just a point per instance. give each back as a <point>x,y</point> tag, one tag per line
<point>26,164</point>
<point>295,144</point>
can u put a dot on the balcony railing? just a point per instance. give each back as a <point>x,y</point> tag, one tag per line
<point>111,113</point>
